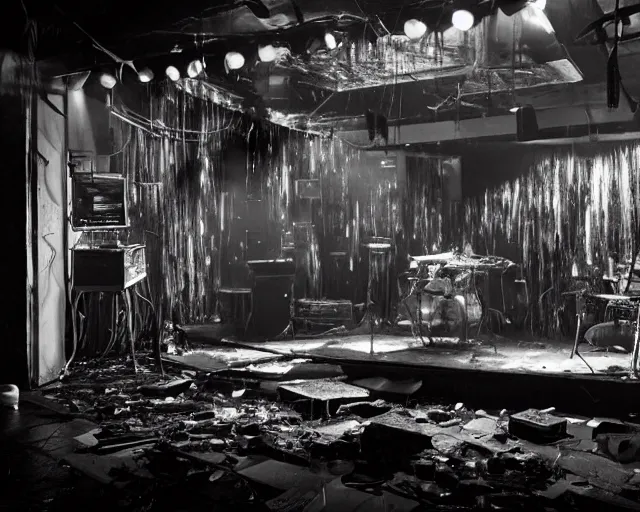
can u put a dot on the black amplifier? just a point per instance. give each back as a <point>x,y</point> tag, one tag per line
<point>108,269</point>
<point>323,310</point>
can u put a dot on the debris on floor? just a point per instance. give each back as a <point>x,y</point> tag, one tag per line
<point>213,438</point>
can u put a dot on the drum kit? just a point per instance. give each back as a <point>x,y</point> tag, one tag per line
<point>448,293</point>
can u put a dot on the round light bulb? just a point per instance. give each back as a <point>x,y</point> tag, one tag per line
<point>172,73</point>
<point>540,4</point>
<point>234,60</point>
<point>330,41</point>
<point>462,20</point>
<point>267,53</point>
<point>414,29</point>
<point>145,76</point>
<point>107,81</point>
<point>194,68</point>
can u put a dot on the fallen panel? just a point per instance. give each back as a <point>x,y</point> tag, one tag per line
<point>324,390</point>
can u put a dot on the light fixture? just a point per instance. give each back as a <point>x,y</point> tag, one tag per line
<point>267,53</point>
<point>462,20</point>
<point>538,18</point>
<point>330,41</point>
<point>513,110</point>
<point>107,81</point>
<point>146,75</point>
<point>234,60</point>
<point>414,29</point>
<point>540,4</point>
<point>194,68</point>
<point>172,73</point>
<point>76,81</point>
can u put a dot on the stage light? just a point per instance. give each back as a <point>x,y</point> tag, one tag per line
<point>462,20</point>
<point>76,81</point>
<point>172,73</point>
<point>414,29</point>
<point>267,53</point>
<point>330,41</point>
<point>513,110</point>
<point>234,60</point>
<point>540,4</point>
<point>195,68</point>
<point>107,81</point>
<point>146,75</point>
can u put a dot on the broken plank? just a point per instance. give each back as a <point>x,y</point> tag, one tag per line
<point>394,436</point>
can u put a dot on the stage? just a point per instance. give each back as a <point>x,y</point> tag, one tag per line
<point>492,370</point>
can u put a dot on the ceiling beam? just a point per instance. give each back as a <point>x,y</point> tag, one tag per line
<point>491,127</point>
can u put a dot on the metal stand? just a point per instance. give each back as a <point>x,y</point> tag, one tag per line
<point>418,328</point>
<point>123,295</point>
<point>377,246</point>
<point>636,348</point>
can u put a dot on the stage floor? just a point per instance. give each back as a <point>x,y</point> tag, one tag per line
<point>496,354</point>
<point>504,372</point>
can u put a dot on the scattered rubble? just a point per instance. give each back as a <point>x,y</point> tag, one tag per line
<point>201,439</point>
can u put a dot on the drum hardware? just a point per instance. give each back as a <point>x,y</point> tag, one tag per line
<point>613,301</point>
<point>418,293</point>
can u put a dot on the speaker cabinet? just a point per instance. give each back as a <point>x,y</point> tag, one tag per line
<point>527,124</point>
<point>271,306</point>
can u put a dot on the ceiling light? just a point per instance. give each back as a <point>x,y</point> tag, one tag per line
<point>414,29</point>
<point>462,20</point>
<point>540,4</point>
<point>172,73</point>
<point>513,110</point>
<point>267,53</point>
<point>234,60</point>
<point>146,75</point>
<point>330,41</point>
<point>107,81</point>
<point>195,68</point>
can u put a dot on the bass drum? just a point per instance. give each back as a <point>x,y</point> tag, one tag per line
<point>446,315</point>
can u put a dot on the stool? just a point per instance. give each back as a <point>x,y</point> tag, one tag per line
<point>238,301</point>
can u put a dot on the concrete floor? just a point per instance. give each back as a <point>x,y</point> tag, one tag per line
<point>32,442</point>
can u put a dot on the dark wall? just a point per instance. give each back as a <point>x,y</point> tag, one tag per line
<point>14,206</point>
